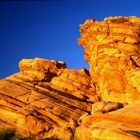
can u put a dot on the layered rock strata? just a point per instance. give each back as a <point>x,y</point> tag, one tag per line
<point>123,124</point>
<point>46,100</point>
<point>112,49</point>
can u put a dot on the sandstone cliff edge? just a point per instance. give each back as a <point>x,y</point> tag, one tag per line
<point>46,100</point>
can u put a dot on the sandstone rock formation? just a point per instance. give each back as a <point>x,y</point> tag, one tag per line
<point>40,69</point>
<point>112,49</point>
<point>46,100</point>
<point>123,124</point>
<point>78,82</point>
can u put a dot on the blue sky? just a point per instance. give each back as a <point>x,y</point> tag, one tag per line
<point>50,29</point>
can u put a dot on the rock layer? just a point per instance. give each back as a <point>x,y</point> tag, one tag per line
<point>46,100</point>
<point>39,69</point>
<point>123,124</point>
<point>78,82</point>
<point>112,49</point>
<point>45,106</point>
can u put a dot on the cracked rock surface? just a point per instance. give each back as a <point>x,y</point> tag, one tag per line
<point>112,49</point>
<point>46,100</point>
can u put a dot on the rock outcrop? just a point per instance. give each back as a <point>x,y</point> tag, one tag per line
<point>77,82</point>
<point>46,100</point>
<point>40,69</point>
<point>123,124</point>
<point>112,49</point>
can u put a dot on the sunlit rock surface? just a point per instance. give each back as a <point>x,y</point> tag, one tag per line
<point>40,69</point>
<point>112,49</point>
<point>77,82</point>
<point>46,100</point>
<point>123,124</point>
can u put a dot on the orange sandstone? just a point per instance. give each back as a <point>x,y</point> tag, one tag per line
<point>46,100</point>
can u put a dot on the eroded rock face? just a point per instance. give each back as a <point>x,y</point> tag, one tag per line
<point>78,82</point>
<point>46,100</point>
<point>112,49</point>
<point>40,69</point>
<point>122,124</point>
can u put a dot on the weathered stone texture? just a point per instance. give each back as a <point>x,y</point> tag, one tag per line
<point>78,82</point>
<point>46,106</point>
<point>123,124</point>
<point>112,49</point>
<point>46,100</point>
<point>40,69</point>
